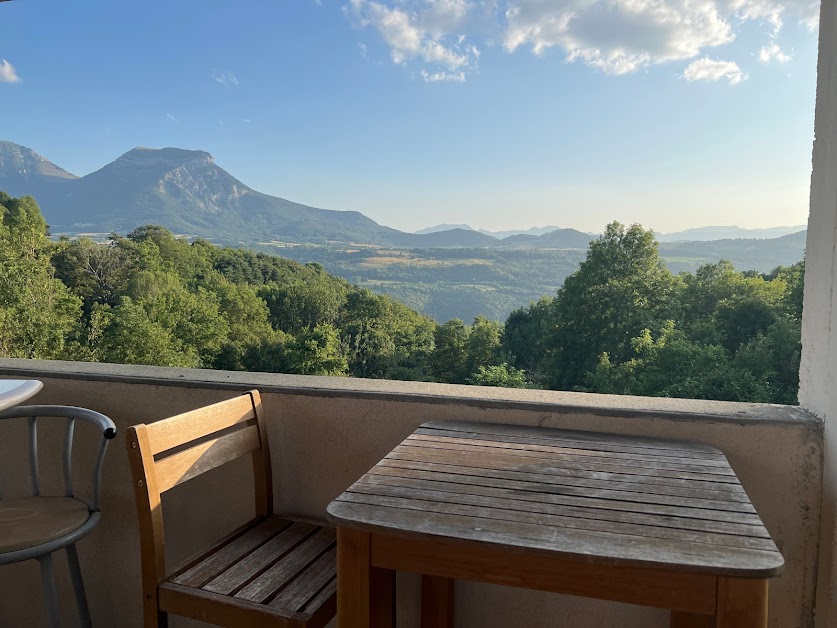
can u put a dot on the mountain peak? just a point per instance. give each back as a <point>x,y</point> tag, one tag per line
<point>21,163</point>
<point>164,156</point>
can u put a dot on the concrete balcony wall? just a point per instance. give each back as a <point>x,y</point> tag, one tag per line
<point>326,432</point>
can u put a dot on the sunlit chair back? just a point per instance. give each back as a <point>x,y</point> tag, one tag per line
<point>174,450</point>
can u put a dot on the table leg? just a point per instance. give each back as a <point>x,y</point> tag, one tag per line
<point>365,594</point>
<point>436,602</point>
<point>741,603</point>
<point>688,620</point>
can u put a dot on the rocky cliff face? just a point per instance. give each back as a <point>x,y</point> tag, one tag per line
<point>182,190</point>
<point>22,170</point>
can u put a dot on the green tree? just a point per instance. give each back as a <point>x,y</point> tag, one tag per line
<point>298,307</point>
<point>619,290</point>
<point>451,339</point>
<point>526,336</point>
<point>38,315</point>
<point>483,346</point>
<point>131,336</point>
<point>501,375</point>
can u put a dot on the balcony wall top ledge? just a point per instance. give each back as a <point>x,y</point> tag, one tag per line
<point>422,392</point>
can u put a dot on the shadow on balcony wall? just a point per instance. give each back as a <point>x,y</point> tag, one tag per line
<point>326,432</point>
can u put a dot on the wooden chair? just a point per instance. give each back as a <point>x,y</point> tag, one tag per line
<point>274,571</point>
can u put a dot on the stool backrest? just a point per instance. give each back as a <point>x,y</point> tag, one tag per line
<point>171,451</point>
<point>70,414</point>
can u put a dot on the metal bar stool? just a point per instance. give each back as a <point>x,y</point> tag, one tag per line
<point>37,526</point>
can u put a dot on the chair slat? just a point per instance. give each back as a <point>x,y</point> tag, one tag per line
<point>68,458</point>
<point>191,462</point>
<point>189,426</point>
<point>308,583</point>
<point>34,469</point>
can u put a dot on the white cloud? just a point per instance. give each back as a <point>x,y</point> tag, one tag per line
<point>711,70</point>
<point>773,51</point>
<point>775,12</point>
<point>617,36</point>
<point>227,79</point>
<point>442,76</point>
<point>613,36</point>
<point>8,74</point>
<point>423,31</point>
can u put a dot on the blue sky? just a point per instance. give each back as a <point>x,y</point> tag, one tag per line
<point>497,113</point>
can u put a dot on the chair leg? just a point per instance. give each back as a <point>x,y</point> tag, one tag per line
<point>78,587</point>
<point>48,582</point>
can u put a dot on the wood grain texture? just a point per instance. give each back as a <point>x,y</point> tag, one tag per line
<point>597,446</point>
<point>30,521</point>
<point>581,485</point>
<point>308,583</point>
<point>285,568</point>
<point>365,594</point>
<point>543,495</point>
<point>184,428</point>
<point>741,603</point>
<point>592,440</point>
<point>437,602</point>
<point>473,561</point>
<point>353,578</point>
<point>192,462</point>
<point>645,521</point>
<point>248,567</point>
<point>640,461</point>
<point>229,552</point>
<point>149,520</point>
<point>262,470</point>
<point>280,573</point>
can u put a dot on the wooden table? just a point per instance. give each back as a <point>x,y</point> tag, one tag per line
<point>638,520</point>
<point>16,391</point>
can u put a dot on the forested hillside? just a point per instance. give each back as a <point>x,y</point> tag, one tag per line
<point>621,323</point>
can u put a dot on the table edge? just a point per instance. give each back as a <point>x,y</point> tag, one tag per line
<point>29,388</point>
<point>753,574</point>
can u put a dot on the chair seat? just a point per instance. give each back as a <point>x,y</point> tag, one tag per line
<point>273,572</point>
<point>30,521</point>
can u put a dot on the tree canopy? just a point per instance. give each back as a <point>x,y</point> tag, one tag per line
<point>622,323</point>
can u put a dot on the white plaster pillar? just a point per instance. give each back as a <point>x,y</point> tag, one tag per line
<point>818,371</point>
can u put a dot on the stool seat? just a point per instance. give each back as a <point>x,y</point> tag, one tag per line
<point>31,521</point>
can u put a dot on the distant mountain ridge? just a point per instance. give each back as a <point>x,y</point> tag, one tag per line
<point>706,234</point>
<point>500,235</point>
<point>188,193</point>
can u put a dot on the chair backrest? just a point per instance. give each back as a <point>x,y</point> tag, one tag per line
<point>171,451</point>
<point>71,414</point>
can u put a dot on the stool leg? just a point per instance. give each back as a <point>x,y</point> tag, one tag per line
<point>78,587</point>
<point>48,582</point>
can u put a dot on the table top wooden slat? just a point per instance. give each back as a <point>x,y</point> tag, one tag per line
<point>594,440</point>
<point>583,459</point>
<point>603,498</point>
<point>501,462</point>
<point>579,483</point>
<point>588,507</point>
<point>559,460</point>
<point>587,445</point>
<point>624,454</point>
